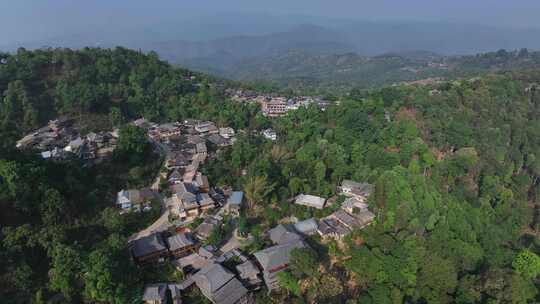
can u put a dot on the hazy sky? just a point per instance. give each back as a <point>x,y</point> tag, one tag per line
<point>39,20</point>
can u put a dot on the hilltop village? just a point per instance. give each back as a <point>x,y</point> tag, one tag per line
<point>194,213</point>
<point>198,229</point>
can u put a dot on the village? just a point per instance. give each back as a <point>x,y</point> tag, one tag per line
<point>60,140</point>
<point>223,272</point>
<point>192,211</point>
<point>273,105</point>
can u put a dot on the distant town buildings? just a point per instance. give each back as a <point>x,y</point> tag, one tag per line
<point>273,105</point>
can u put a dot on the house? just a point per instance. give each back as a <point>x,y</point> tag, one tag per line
<point>249,273</point>
<point>206,127</point>
<point>359,190</point>
<point>177,160</point>
<point>275,259</point>
<point>282,234</point>
<point>158,294</point>
<point>195,139</point>
<point>353,205</point>
<point>126,199</point>
<point>75,145</point>
<point>148,249</point>
<point>332,228</point>
<point>220,285</point>
<point>270,134</point>
<point>218,140</point>
<point>310,201</point>
<point>274,107</point>
<point>175,177</point>
<point>306,227</point>
<point>204,230</point>
<point>201,148</point>
<point>181,245</point>
<point>168,131</point>
<point>201,181</point>
<point>184,202</point>
<point>226,133</point>
<point>341,223</point>
<point>206,203</point>
<point>234,203</point>
<point>191,171</point>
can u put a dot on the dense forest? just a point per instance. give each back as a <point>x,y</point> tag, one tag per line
<point>456,169</point>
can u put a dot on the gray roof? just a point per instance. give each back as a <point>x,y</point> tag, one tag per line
<point>331,225</point>
<point>195,139</point>
<point>310,201</point>
<point>212,277</point>
<point>205,200</point>
<point>207,226</point>
<point>147,245</point>
<point>201,147</point>
<point>353,202</point>
<point>247,270</point>
<point>175,175</point>
<point>219,284</point>
<point>282,234</point>
<point>365,217</point>
<point>207,251</point>
<point>179,241</point>
<point>217,139</point>
<point>183,193</point>
<point>347,219</point>
<point>155,292</point>
<point>358,188</point>
<point>236,198</point>
<point>231,293</point>
<point>276,256</point>
<point>306,227</point>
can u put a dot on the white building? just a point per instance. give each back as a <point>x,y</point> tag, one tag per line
<point>270,134</point>
<point>310,201</point>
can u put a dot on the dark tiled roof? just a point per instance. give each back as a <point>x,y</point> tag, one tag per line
<point>147,245</point>
<point>276,256</point>
<point>282,234</point>
<point>179,241</point>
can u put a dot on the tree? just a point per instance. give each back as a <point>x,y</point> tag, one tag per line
<point>289,282</point>
<point>64,274</point>
<point>256,189</point>
<point>115,116</point>
<point>53,208</point>
<point>132,143</point>
<point>99,282</point>
<point>303,262</point>
<point>527,263</point>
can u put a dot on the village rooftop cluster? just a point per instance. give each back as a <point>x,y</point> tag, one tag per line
<point>225,274</point>
<point>273,105</point>
<point>60,140</point>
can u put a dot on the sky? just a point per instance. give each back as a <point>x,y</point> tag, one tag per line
<point>40,20</point>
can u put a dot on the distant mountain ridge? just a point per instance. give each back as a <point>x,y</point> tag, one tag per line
<point>297,69</point>
<point>306,37</point>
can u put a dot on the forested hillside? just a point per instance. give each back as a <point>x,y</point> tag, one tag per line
<point>61,238</point>
<point>456,169</point>
<point>340,72</point>
<point>456,172</point>
<point>102,87</point>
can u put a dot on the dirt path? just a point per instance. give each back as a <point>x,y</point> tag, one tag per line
<point>161,224</point>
